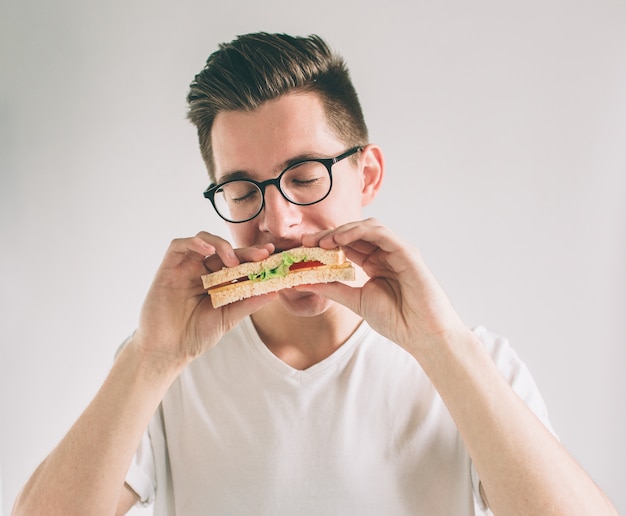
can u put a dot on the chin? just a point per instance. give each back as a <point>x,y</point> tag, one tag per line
<point>303,304</point>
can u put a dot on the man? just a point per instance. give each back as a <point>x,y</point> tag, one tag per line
<point>373,398</point>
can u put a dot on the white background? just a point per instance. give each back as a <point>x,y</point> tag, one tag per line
<point>504,127</point>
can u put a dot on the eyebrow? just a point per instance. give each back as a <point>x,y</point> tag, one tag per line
<point>243,174</point>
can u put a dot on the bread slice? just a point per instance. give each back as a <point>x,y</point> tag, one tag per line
<point>232,284</point>
<point>228,274</point>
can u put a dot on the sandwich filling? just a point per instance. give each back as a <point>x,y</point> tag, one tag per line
<point>289,263</point>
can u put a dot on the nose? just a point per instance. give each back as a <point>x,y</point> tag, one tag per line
<point>278,217</point>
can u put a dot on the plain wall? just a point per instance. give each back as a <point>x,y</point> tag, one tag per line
<point>504,130</point>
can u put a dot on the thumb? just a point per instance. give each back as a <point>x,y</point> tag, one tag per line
<point>337,291</point>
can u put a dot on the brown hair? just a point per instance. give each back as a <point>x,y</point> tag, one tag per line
<point>255,68</point>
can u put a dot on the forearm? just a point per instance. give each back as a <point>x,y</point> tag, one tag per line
<point>522,467</point>
<point>85,473</point>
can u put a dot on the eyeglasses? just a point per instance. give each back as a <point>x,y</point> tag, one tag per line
<point>303,183</point>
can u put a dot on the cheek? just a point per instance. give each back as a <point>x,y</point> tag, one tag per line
<point>342,205</point>
<point>331,214</point>
<point>243,235</point>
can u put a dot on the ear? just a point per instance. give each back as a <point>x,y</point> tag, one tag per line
<point>372,172</point>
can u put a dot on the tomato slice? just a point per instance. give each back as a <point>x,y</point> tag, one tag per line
<point>304,265</point>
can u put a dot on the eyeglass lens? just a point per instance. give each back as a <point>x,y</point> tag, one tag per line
<point>305,183</point>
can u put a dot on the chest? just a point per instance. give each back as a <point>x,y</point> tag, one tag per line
<point>359,435</point>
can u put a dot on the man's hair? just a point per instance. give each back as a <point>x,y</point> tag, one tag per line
<point>255,68</point>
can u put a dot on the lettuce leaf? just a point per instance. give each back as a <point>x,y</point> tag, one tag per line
<point>277,272</point>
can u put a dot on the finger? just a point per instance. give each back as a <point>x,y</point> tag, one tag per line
<point>240,309</point>
<point>193,244</point>
<point>375,243</point>
<point>326,238</point>
<point>222,248</point>
<point>254,253</point>
<point>313,239</point>
<point>222,259</point>
<point>359,251</point>
<point>202,246</point>
<point>180,249</point>
<point>336,291</point>
<point>367,231</point>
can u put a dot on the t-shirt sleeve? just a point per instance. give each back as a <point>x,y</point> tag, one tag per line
<point>521,381</point>
<point>141,474</point>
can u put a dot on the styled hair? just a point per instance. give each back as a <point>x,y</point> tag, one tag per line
<point>255,68</point>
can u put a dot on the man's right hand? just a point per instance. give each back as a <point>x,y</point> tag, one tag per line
<point>178,321</point>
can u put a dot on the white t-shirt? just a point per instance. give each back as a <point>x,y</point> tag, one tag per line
<point>362,432</point>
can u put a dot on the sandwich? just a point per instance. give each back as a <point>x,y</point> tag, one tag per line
<point>298,266</point>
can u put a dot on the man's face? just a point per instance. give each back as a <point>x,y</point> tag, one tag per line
<point>262,143</point>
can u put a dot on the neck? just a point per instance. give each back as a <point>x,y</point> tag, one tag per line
<point>303,341</point>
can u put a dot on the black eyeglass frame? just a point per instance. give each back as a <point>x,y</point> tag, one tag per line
<point>209,193</point>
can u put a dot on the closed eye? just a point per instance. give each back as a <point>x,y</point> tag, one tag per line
<point>239,192</point>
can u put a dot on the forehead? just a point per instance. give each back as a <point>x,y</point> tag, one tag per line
<point>277,131</point>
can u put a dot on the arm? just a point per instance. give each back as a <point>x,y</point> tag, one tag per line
<point>523,468</point>
<point>127,500</point>
<point>85,473</point>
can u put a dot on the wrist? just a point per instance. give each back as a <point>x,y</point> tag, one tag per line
<point>153,364</point>
<point>438,352</point>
